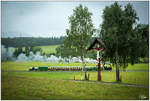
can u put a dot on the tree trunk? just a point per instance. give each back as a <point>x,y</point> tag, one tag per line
<point>83,66</point>
<point>117,66</point>
<point>82,69</point>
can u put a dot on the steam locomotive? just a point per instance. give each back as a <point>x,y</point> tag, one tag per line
<point>69,68</point>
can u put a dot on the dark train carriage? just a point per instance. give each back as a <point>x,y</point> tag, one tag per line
<point>43,68</point>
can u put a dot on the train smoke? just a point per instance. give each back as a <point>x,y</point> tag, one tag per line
<point>7,54</point>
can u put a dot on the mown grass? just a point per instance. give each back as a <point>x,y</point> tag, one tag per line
<point>48,49</point>
<point>10,65</point>
<point>138,78</point>
<point>138,67</point>
<point>17,86</point>
<point>61,85</point>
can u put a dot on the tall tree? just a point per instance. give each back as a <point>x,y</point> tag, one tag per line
<point>142,34</point>
<point>16,52</point>
<point>65,51</point>
<point>117,33</point>
<point>80,32</point>
<point>27,51</point>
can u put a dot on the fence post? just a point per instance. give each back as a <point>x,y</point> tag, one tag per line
<point>88,76</point>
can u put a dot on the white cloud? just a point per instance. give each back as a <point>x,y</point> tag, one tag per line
<point>51,18</point>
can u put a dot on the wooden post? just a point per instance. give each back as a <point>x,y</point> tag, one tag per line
<point>88,76</point>
<point>99,65</point>
<point>99,71</point>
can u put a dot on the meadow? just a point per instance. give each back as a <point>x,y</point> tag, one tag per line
<point>10,65</point>
<point>48,49</point>
<point>62,86</point>
<point>45,49</point>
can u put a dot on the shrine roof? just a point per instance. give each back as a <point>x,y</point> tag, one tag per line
<point>97,41</point>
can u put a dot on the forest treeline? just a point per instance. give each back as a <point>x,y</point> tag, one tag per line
<point>31,41</point>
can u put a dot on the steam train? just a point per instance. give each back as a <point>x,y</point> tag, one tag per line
<point>66,68</point>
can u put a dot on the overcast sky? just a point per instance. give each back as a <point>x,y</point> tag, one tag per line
<point>49,19</point>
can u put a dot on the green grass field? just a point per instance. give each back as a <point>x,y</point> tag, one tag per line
<point>41,86</point>
<point>48,49</point>
<point>127,77</point>
<point>9,65</point>
<point>62,86</point>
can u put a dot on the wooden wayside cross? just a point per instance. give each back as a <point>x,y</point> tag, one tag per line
<point>100,44</point>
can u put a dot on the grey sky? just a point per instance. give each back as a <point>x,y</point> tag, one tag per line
<point>51,18</point>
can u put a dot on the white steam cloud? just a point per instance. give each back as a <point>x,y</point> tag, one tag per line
<point>7,54</point>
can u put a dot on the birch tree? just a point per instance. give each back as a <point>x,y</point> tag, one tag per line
<point>117,32</point>
<point>80,32</point>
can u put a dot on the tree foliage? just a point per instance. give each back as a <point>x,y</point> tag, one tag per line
<point>142,34</point>
<point>31,41</point>
<point>27,51</point>
<point>80,32</point>
<point>118,34</point>
<point>66,51</point>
